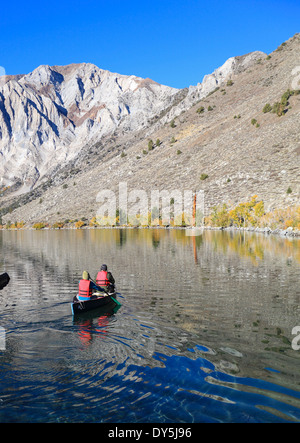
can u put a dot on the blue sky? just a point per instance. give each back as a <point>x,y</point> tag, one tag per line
<point>173,42</point>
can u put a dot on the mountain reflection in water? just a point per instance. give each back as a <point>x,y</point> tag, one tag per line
<point>203,334</point>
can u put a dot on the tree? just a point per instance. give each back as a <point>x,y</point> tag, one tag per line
<point>259,209</point>
<point>244,213</point>
<point>150,145</point>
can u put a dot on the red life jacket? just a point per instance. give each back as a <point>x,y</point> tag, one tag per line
<point>85,289</point>
<point>101,279</point>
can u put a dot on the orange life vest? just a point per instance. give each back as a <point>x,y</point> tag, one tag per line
<point>85,290</point>
<point>101,279</point>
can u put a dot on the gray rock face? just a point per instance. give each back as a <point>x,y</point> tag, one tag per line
<point>47,116</point>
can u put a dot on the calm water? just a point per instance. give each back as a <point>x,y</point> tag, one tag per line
<point>203,335</point>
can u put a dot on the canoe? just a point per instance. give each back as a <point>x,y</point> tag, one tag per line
<point>80,307</point>
<point>4,279</point>
<point>107,310</point>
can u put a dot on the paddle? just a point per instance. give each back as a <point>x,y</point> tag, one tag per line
<point>107,293</point>
<point>4,279</point>
<point>103,290</point>
<point>116,301</point>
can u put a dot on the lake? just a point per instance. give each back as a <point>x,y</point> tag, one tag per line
<point>204,333</point>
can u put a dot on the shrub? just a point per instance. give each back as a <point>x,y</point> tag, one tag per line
<point>79,224</point>
<point>259,209</point>
<point>8,224</point>
<point>200,110</point>
<point>247,213</point>
<point>150,145</point>
<point>252,213</point>
<point>93,222</point>
<point>178,151</point>
<point>39,225</point>
<point>289,190</point>
<point>285,97</point>
<point>277,109</point>
<point>203,176</point>
<point>282,218</point>
<point>220,216</point>
<point>229,83</point>
<point>58,225</point>
<point>280,48</point>
<point>267,108</point>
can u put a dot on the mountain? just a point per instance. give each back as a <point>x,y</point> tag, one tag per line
<point>67,132</point>
<point>48,115</point>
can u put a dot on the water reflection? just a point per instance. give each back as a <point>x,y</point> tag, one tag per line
<point>96,321</point>
<point>205,323</point>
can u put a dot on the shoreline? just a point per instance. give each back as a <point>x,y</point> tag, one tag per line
<point>289,232</point>
<point>284,233</point>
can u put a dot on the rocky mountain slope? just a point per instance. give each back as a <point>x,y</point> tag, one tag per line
<point>48,115</point>
<point>213,136</point>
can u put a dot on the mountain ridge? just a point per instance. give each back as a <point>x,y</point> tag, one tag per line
<point>60,108</point>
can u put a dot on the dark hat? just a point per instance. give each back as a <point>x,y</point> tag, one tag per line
<point>103,268</point>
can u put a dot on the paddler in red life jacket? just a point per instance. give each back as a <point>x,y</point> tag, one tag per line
<point>105,279</point>
<point>86,287</point>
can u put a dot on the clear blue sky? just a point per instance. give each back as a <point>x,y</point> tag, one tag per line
<point>173,42</point>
